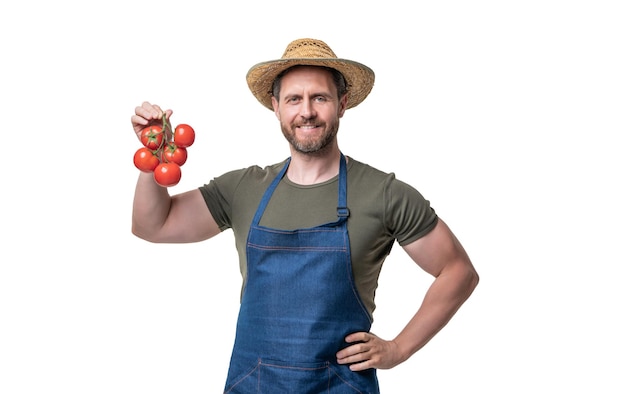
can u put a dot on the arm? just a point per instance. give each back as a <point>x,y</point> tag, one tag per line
<point>159,217</point>
<point>440,254</point>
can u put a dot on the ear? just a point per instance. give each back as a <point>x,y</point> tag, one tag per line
<point>343,104</point>
<point>275,106</point>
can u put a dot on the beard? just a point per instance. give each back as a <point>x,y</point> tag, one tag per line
<point>310,144</point>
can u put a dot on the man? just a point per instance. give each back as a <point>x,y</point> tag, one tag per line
<point>312,233</point>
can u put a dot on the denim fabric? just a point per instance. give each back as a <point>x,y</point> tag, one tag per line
<point>298,305</point>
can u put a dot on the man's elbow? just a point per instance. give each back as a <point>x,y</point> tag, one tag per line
<point>138,232</point>
<point>471,278</point>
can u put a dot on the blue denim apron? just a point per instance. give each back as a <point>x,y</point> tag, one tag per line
<point>298,305</point>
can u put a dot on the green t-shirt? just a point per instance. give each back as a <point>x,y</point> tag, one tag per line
<point>382,210</point>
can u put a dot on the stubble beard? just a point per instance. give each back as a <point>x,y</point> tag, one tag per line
<point>310,145</point>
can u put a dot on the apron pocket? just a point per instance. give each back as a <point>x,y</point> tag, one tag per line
<point>315,377</point>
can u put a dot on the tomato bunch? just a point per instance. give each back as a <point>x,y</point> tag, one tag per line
<point>164,151</point>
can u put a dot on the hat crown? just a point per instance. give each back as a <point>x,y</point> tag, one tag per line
<point>308,48</point>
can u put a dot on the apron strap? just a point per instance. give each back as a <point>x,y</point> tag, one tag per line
<point>342,203</point>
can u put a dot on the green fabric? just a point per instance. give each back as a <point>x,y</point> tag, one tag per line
<point>383,210</point>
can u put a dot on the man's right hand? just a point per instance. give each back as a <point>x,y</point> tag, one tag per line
<point>148,114</point>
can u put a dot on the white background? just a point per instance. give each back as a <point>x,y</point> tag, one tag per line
<point>507,116</point>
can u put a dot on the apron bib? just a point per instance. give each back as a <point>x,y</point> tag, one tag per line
<point>298,305</point>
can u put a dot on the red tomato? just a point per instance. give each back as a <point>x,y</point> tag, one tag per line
<point>167,174</point>
<point>152,137</point>
<point>184,135</point>
<point>145,160</point>
<point>174,154</point>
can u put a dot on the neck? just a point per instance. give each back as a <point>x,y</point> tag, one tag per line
<point>309,169</point>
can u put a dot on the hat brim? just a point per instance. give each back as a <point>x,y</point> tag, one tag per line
<point>359,77</point>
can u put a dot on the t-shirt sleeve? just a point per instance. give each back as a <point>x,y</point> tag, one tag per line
<point>409,216</point>
<point>218,196</point>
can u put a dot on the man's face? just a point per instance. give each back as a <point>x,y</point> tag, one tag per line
<point>308,108</point>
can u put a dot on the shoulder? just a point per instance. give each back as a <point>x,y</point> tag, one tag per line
<point>253,173</point>
<point>360,172</point>
<point>371,176</point>
<point>243,180</point>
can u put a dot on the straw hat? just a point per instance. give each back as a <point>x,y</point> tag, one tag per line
<point>308,51</point>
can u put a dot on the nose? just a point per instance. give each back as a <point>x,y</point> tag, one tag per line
<point>307,111</point>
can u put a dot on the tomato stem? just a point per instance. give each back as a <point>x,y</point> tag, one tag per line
<point>167,127</point>
<point>166,135</point>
